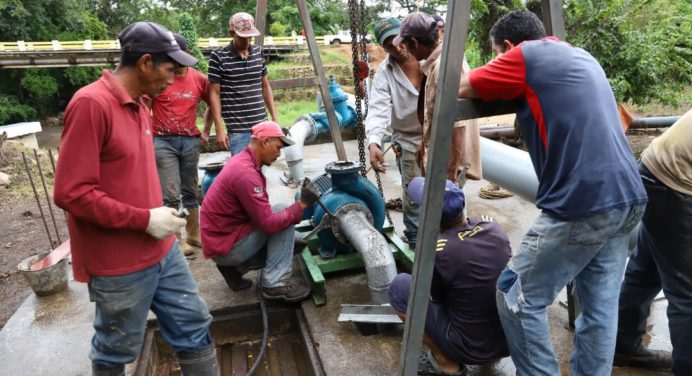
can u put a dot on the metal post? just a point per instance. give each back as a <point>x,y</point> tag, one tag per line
<point>321,78</point>
<point>552,18</point>
<point>458,16</point>
<point>261,21</point>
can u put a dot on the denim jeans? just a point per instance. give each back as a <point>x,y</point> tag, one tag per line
<point>176,160</point>
<point>237,142</point>
<point>408,168</point>
<point>123,302</point>
<point>590,251</point>
<point>279,253</point>
<point>662,259</point>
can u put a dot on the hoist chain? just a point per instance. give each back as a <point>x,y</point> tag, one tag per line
<point>359,52</point>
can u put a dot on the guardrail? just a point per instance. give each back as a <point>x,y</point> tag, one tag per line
<point>91,45</point>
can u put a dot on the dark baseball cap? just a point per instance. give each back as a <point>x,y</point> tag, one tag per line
<point>415,25</point>
<point>181,41</point>
<point>386,28</point>
<point>453,201</point>
<point>150,37</point>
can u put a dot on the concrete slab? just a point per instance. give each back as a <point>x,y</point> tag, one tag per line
<point>51,335</point>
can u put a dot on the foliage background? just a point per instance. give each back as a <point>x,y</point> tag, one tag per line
<point>645,46</point>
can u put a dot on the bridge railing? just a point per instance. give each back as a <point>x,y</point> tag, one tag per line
<point>88,45</point>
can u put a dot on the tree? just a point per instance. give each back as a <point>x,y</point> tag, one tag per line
<point>189,32</point>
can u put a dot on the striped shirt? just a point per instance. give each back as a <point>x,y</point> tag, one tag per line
<point>242,103</point>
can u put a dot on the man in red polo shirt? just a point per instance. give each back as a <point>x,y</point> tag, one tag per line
<point>122,241</point>
<point>237,220</point>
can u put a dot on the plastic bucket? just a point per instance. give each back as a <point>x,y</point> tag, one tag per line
<point>45,281</point>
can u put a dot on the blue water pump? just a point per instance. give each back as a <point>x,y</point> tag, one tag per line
<point>343,189</point>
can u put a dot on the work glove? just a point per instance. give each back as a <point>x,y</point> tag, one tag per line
<point>163,222</point>
<point>308,192</point>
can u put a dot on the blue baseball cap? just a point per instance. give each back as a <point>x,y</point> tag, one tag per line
<point>453,201</point>
<point>388,27</point>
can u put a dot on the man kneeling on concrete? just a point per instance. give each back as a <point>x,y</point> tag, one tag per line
<point>237,221</point>
<point>462,326</point>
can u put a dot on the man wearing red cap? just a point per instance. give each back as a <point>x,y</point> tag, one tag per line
<point>239,83</point>
<point>462,325</point>
<point>238,222</point>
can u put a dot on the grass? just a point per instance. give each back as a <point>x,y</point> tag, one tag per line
<point>288,111</point>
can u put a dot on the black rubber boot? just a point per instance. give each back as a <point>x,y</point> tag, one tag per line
<point>100,370</point>
<point>653,360</point>
<point>234,278</point>
<point>199,363</point>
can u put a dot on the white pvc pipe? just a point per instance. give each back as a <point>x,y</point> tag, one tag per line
<point>303,129</point>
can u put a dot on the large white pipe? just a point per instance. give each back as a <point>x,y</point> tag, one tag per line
<point>511,168</point>
<point>380,266</point>
<point>301,131</point>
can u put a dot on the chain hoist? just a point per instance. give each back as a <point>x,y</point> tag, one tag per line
<point>361,71</point>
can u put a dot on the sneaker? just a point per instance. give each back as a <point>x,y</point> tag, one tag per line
<point>653,360</point>
<point>291,292</point>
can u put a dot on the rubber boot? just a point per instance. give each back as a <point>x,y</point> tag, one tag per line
<point>192,228</point>
<point>234,279</point>
<point>184,247</point>
<point>199,363</point>
<point>101,370</point>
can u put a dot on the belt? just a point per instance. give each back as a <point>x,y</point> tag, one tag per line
<point>647,176</point>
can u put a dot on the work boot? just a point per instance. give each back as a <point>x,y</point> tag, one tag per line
<point>292,291</point>
<point>192,228</point>
<point>234,279</point>
<point>653,360</point>
<point>184,247</point>
<point>102,370</point>
<point>199,363</point>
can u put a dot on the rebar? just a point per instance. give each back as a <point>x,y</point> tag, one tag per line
<point>38,201</point>
<point>52,163</point>
<point>45,192</point>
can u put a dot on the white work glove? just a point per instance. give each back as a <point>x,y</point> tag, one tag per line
<point>163,222</point>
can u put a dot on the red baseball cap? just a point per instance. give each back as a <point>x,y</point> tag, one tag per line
<point>269,129</point>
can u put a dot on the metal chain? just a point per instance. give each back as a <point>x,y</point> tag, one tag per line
<point>359,52</point>
<point>354,13</point>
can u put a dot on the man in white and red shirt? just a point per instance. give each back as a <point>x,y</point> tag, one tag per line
<point>238,222</point>
<point>177,141</point>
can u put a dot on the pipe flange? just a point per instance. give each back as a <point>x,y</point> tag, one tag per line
<point>343,210</point>
<point>342,168</point>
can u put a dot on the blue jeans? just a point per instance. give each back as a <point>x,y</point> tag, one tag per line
<point>662,259</point>
<point>590,251</point>
<point>237,142</point>
<point>408,168</point>
<point>123,302</point>
<point>279,253</point>
<point>176,160</point>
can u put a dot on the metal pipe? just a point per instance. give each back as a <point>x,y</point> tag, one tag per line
<point>380,267</point>
<point>38,201</point>
<point>45,192</point>
<point>495,132</point>
<point>653,122</point>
